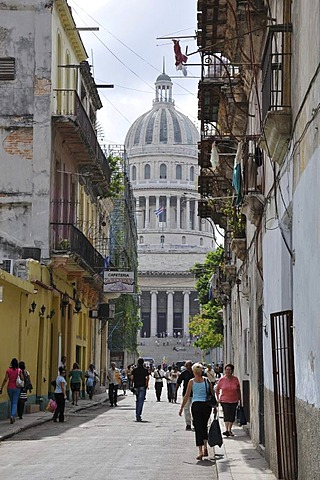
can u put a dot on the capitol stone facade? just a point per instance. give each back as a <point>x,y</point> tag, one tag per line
<point>161,147</point>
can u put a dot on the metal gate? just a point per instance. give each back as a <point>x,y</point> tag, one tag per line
<point>284,394</point>
<point>261,377</point>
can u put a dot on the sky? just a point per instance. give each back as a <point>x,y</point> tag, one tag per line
<point>125,52</point>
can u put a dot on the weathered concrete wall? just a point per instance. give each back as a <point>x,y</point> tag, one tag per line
<point>270,450</point>
<point>308,424</point>
<point>25,127</point>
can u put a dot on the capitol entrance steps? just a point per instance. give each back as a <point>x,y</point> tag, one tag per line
<point>168,349</point>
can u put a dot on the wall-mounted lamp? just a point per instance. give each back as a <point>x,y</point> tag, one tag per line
<point>42,310</point>
<point>51,314</point>
<point>64,299</point>
<point>32,307</point>
<point>78,306</point>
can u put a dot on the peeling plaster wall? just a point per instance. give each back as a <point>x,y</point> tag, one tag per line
<point>25,126</point>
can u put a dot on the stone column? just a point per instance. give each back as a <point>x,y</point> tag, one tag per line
<point>170,294</point>
<point>157,206</point>
<point>154,313</point>
<point>138,213</point>
<point>186,312</point>
<point>178,213</point>
<point>196,219</point>
<point>188,215</point>
<point>147,212</point>
<point>168,212</point>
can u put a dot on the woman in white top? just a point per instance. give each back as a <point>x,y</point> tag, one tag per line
<point>174,378</point>
<point>200,409</point>
<point>60,395</point>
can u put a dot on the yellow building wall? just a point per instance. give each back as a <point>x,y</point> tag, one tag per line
<point>40,338</point>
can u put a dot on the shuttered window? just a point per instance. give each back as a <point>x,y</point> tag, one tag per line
<point>7,68</point>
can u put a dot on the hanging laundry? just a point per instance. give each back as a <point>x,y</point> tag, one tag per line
<point>214,157</point>
<point>179,57</point>
<point>237,177</point>
<point>258,156</point>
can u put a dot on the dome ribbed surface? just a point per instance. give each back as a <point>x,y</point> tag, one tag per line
<point>162,125</point>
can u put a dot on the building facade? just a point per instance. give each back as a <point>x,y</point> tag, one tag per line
<point>54,202</point>
<point>161,146</point>
<point>259,110</point>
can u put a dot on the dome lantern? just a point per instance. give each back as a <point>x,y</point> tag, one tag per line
<point>163,88</point>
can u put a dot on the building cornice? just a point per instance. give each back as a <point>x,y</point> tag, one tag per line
<point>70,29</point>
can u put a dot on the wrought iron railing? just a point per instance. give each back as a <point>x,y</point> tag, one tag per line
<point>275,75</point>
<point>217,68</point>
<point>65,237</point>
<point>68,103</point>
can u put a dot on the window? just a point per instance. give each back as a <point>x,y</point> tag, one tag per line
<point>201,241</point>
<point>163,171</point>
<point>134,173</point>
<point>183,240</point>
<point>191,174</point>
<point>178,172</point>
<point>162,239</point>
<point>147,172</point>
<point>7,68</point>
<point>141,239</point>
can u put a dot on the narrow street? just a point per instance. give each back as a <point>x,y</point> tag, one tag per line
<point>102,442</point>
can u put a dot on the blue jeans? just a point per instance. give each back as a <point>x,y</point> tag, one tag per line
<point>14,397</point>
<point>140,396</point>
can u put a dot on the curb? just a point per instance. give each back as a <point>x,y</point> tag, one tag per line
<point>43,420</point>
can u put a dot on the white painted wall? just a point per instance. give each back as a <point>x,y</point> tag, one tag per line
<point>306,284</point>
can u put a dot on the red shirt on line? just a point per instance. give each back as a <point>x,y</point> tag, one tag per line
<point>228,390</point>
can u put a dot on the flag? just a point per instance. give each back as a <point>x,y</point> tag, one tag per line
<point>159,211</point>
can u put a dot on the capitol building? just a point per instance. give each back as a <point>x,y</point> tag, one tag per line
<point>162,150</point>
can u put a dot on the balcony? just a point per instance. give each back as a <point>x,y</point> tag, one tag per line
<point>75,127</point>
<point>212,21</point>
<point>239,247</point>
<point>207,210</point>
<point>75,252</point>
<point>276,93</point>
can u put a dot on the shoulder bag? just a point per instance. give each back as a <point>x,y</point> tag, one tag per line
<point>211,399</point>
<point>19,381</point>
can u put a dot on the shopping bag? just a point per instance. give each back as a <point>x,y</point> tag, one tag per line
<point>242,417</point>
<point>52,405</point>
<point>215,437</point>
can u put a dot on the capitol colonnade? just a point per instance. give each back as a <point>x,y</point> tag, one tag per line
<point>179,212</point>
<point>169,312</point>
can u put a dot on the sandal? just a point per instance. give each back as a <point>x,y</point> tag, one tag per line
<point>199,457</point>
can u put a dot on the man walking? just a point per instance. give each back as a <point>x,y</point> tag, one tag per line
<point>159,375</point>
<point>184,377</point>
<point>139,379</point>
<point>114,379</point>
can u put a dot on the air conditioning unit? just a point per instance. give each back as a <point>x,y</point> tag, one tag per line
<point>7,265</point>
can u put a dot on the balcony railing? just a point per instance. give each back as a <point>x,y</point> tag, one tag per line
<point>276,68</point>
<point>68,239</point>
<point>68,104</point>
<point>217,68</point>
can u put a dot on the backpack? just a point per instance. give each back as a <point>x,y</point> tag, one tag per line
<point>27,382</point>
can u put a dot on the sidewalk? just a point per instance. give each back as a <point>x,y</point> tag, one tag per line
<point>237,459</point>
<point>30,420</point>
